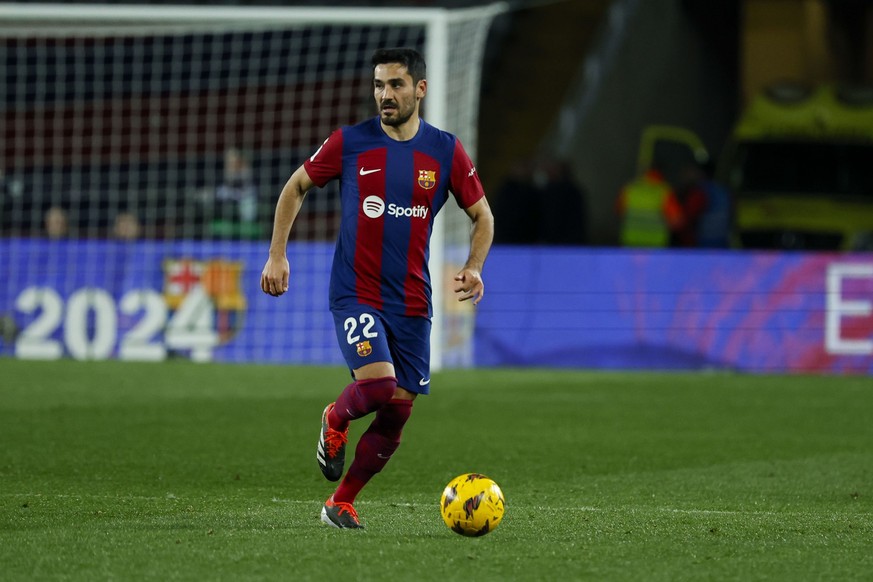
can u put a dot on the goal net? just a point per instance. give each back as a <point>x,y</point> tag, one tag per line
<point>142,153</point>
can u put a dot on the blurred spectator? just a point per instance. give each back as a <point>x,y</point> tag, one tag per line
<point>234,207</point>
<point>715,224</point>
<point>5,204</point>
<point>126,226</point>
<point>708,209</point>
<point>650,212</point>
<point>515,207</point>
<point>541,204</point>
<point>563,216</point>
<point>11,194</point>
<point>56,223</point>
<point>692,198</point>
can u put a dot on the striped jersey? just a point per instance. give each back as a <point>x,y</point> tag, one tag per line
<point>391,191</point>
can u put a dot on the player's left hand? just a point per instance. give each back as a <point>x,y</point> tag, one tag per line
<point>274,277</point>
<point>469,285</point>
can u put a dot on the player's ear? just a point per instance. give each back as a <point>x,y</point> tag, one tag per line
<point>421,89</point>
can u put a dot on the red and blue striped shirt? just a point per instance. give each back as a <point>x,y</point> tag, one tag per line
<point>391,191</point>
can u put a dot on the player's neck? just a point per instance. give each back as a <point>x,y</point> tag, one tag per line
<point>403,132</point>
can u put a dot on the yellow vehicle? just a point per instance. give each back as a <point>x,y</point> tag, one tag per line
<point>799,164</point>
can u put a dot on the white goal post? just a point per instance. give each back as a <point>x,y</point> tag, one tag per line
<point>114,109</point>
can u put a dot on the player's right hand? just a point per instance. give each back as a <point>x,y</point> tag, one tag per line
<point>274,277</point>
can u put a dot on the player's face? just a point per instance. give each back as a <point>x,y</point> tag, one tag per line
<point>397,97</point>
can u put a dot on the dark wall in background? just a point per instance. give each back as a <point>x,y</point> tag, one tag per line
<point>676,64</point>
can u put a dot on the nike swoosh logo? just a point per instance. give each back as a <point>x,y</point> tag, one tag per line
<point>364,172</point>
<point>381,456</point>
<point>424,382</point>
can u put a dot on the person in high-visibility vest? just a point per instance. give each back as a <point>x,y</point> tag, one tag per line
<point>649,211</point>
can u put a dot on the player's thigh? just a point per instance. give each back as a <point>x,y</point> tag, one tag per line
<point>409,341</point>
<point>374,370</point>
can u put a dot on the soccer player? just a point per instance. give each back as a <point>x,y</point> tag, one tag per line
<point>396,171</point>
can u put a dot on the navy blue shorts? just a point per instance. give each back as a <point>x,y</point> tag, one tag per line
<point>367,335</point>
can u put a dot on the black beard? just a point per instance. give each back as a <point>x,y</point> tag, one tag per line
<point>396,120</point>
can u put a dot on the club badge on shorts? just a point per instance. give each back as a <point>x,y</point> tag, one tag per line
<point>364,348</point>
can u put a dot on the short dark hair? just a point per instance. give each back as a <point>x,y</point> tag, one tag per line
<point>408,57</point>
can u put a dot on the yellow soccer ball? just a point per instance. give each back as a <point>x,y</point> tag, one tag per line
<point>472,505</point>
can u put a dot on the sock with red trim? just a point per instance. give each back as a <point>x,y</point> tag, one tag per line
<point>376,446</point>
<point>360,398</point>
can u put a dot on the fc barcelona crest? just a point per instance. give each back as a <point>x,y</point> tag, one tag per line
<point>364,348</point>
<point>427,179</point>
<point>207,295</point>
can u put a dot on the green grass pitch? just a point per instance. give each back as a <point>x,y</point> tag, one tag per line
<point>181,471</point>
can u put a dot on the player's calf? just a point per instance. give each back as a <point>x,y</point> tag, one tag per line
<point>377,445</point>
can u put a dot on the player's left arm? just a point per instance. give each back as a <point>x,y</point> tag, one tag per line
<point>468,281</point>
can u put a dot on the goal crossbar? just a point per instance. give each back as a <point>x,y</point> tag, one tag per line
<point>23,18</point>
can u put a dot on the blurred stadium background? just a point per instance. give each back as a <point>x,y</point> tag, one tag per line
<point>144,146</point>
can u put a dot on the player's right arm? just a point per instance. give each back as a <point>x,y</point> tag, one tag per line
<point>274,277</point>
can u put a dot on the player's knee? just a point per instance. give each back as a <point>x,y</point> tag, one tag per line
<point>378,391</point>
<point>404,394</point>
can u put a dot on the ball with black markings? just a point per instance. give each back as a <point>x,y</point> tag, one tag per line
<point>472,505</point>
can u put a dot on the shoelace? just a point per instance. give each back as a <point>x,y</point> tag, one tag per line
<point>334,440</point>
<point>344,507</point>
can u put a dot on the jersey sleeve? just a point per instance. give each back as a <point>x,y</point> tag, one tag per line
<point>464,181</point>
<point>326,163</point>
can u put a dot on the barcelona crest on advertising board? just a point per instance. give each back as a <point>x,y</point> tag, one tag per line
<point>220,283</point>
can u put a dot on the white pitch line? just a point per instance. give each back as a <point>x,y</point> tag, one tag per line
<point>513,507</point>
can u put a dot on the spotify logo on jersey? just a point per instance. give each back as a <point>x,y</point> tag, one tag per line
<point>374,206</point>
